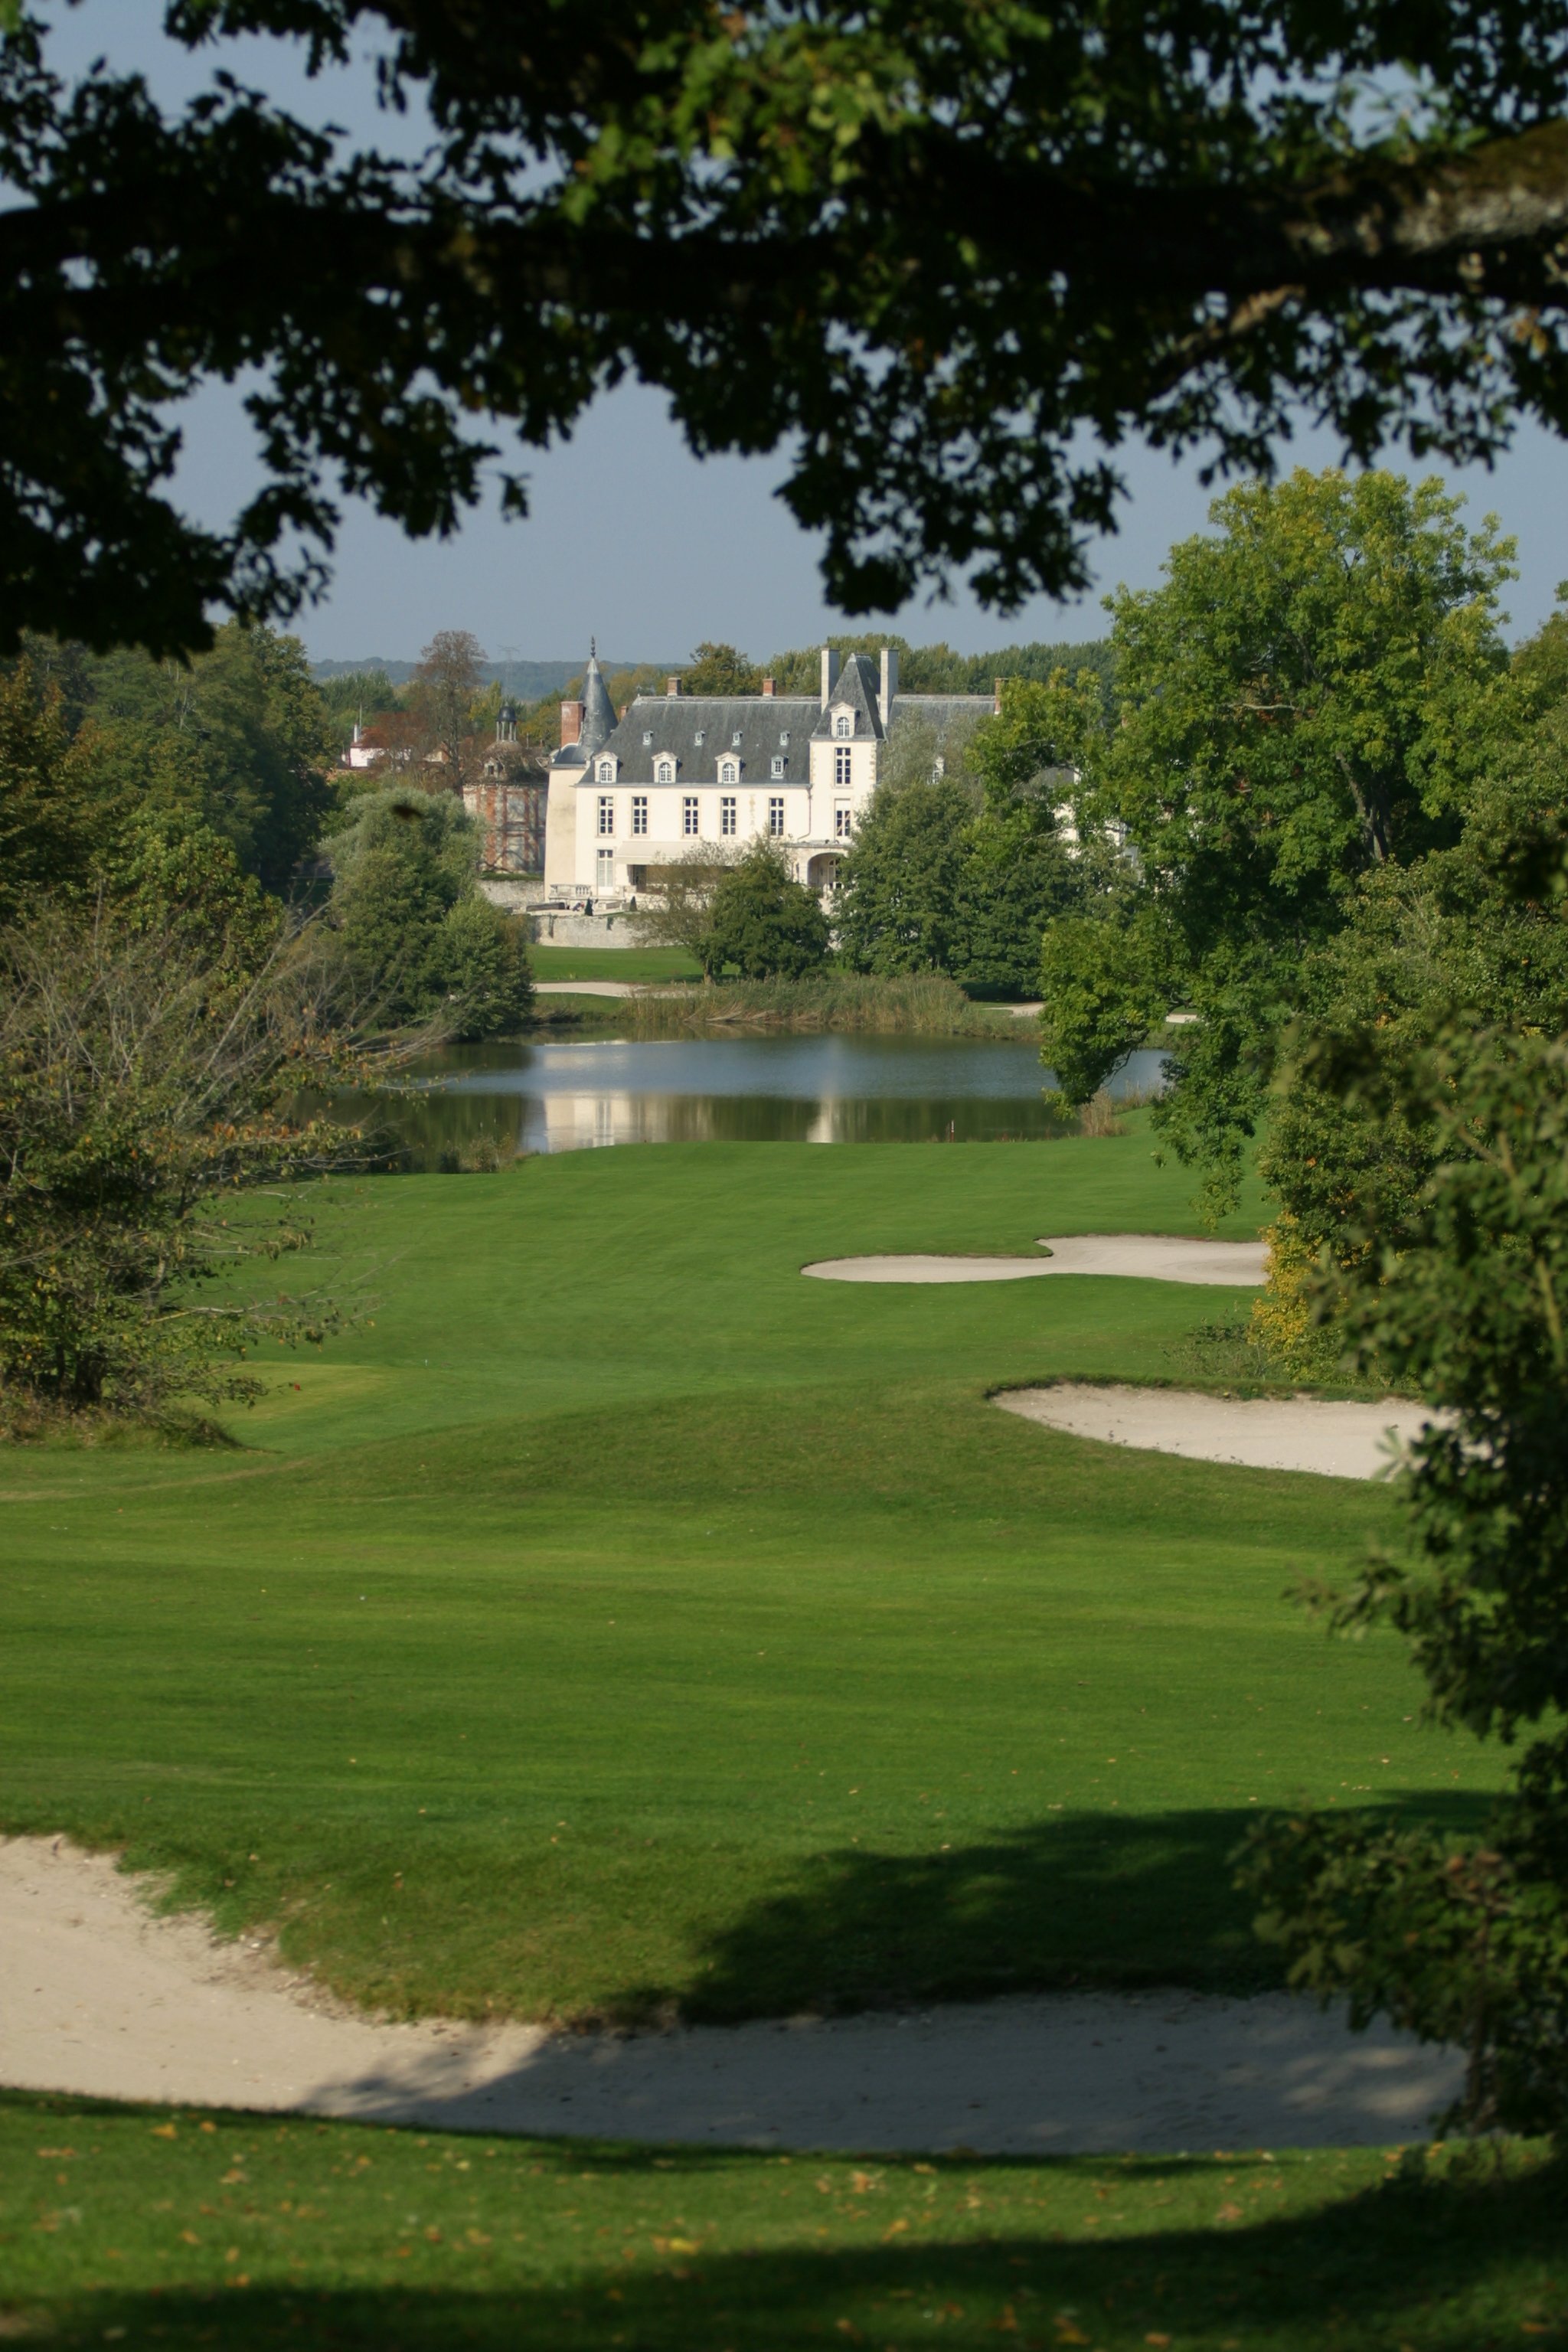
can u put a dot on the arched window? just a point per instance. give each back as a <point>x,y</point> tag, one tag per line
<point>607,772</point>
<point>729,773</point>
<point>664,773</point>
<point>843,724</point>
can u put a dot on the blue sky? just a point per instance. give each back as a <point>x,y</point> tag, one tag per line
<point>632,539</point>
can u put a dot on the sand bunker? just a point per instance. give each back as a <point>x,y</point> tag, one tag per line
<point>1152,1257</point>
<point>96,1997</point>
<point>926,1269</point>
<point>1338,1441</point>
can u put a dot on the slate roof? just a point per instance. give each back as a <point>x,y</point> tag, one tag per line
<point>940,710</point>
<point>598,720</point>
<point>598,710</point>
<point>859,685</point>
<point>755,729</point>
<point>672,723</point>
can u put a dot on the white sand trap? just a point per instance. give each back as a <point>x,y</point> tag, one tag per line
<point>1159,1257</point>
<point>99,1998</point>
<point>1152,1257</point>
<point>1338,1441</point>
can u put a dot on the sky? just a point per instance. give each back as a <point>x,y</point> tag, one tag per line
<point>632,540</point>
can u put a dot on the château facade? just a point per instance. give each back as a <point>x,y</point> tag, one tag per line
<point>677,774</point>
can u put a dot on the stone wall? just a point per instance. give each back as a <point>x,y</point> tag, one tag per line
<point>557,927</point>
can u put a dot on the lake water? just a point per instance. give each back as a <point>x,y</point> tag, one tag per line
<point>793,1089</point>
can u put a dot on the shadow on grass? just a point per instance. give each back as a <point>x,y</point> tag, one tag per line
<point>1435,2266</point>
<point>1090,1900</point>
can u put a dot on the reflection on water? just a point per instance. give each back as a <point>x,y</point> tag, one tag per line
<point>821,1089</point>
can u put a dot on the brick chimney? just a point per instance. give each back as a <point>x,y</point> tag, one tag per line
<point>672,686</point>
<point>571,723</point>
<point>768,687</point>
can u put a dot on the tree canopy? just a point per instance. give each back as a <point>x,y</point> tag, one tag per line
<point>948,258</point>
<point>1312,695</point>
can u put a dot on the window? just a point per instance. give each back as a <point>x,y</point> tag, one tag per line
<point>647,734</point>
<point>727,817</point>
<point>729,773</point>
<point>701,736</point>
<point>842,824</point>
<point>735,738</point>
<point>775,816</point>
<point>779,764</point>
<point>784,739</point>
<point>843,724</point>
<point>639,812</point>
<point>607,772</point>
<point>689,813</point>
<point>664,772</point>
<point>606,869</point>
<point>606,812</point>
<point>841,764</point>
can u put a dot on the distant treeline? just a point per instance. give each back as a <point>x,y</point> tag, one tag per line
<point>526,681</point>
<point>536,685</point>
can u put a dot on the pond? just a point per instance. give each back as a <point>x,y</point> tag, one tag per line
<point>761,1089</point>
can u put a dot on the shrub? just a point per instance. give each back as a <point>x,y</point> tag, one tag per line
<point>144,1085</point>
<point>417,934</point>
<point>766,924</point>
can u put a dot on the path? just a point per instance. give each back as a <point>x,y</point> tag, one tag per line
<point>98,1997</point>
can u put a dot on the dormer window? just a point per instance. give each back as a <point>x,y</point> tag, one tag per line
<point>701,736</point>
<point>784,739</point>
<point>607,772</point>
<point>735,739</point>
<point>664,772</point>
<point>729,771</point>
<point>780,764</point>
<point>647,734</point>
<point>843,724</point>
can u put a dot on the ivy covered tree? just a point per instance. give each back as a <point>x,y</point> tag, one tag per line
<point>1457,1284</point>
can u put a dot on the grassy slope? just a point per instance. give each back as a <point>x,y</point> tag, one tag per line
<point>620,1618</point>
<point>123,2224</point>
<point>611,963</point>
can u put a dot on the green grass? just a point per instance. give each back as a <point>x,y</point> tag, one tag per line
<point>619,1620</point>
<point>127,2225</point>
<point>611,963</point>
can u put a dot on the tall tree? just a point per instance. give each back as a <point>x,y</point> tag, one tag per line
<point>446,686</point>
<point>1312,695</point>
<point>719,669</point>
<point>948,258</point>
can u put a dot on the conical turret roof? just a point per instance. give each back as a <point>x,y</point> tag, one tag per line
<point>598,711</point>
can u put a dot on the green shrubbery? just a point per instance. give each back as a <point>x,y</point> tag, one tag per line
<point>422,942</point>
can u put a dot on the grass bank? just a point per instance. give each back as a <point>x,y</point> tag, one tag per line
<point>618,1619</point>
<point>922,1004</point>
<point>635,964</point>
<point>124,2224</point>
